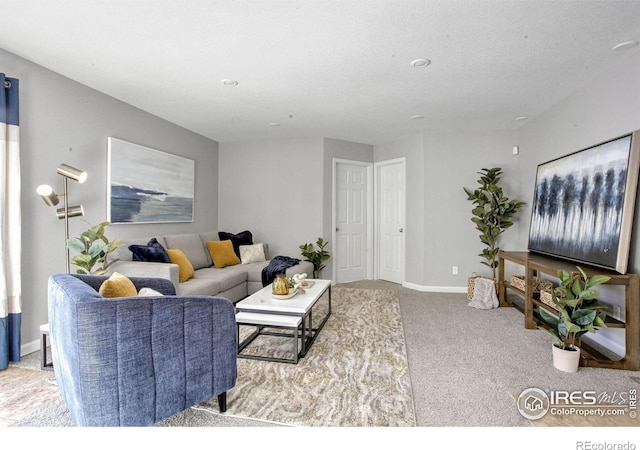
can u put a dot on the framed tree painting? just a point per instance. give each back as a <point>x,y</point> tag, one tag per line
<point>583,206</point>
<point>148,186</point>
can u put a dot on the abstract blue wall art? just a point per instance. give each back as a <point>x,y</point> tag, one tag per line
<point>584,202</point>
<point>147,185</point>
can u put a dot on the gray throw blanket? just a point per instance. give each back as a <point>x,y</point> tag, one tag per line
<point>279,264</point>
<point>484,294</point>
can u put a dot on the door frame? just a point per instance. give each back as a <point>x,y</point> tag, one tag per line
<point>370,205</point>
<point>376,183</point>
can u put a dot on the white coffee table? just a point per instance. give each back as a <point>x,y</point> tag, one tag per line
<point>295,315</point>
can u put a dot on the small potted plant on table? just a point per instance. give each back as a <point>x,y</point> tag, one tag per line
<point>316,257</point>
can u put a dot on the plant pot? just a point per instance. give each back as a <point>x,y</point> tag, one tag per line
<point>566,360</point>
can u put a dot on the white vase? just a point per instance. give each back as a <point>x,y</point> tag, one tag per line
<point>566,360</point>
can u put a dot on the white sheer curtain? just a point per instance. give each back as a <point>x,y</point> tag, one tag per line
<point>10,217</point>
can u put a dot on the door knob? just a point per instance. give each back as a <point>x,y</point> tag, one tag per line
<point>337,229</point>
<point>401,230</point>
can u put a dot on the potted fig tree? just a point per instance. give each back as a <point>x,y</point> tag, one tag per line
<point>579,312</point>
<point>492,213</point>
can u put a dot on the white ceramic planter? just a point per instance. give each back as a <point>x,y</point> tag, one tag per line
<point>566,360</point>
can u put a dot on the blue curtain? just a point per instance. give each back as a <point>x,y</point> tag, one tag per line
<point>10,218</point>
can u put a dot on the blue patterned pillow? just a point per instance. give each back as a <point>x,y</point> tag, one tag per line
<point>152,252</point>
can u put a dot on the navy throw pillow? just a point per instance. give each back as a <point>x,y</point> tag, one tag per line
<point>242,238</point>
<point>152,252</point>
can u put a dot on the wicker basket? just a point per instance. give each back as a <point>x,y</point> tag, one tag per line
<point>547,299</point>
<point>539,284</point>
<point>471,283</point>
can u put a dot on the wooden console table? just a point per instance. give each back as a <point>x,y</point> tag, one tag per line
<point>535,264</point>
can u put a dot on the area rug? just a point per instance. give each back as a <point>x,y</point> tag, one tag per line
<point>355,375</point>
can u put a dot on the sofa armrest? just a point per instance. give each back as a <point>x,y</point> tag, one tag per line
<point>148,270</point>
<point>136,361</point>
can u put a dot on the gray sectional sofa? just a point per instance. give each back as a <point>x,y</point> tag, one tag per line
<point>231,282</point>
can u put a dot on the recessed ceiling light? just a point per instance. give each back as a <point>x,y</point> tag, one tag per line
<point>626,45</point>
<point>229,82</point>
<point>417,117</point>
<point>420,62</point>
<point>522,118</point>
<point>274,124</point>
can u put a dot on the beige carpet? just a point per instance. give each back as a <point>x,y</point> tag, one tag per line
<point>23,391</point>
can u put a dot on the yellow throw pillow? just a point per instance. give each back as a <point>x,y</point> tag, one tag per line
<point>222,253</point>
<point>185,267</point>
<point>117,285</point>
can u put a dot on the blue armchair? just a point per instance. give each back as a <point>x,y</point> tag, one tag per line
<point>137,361</point>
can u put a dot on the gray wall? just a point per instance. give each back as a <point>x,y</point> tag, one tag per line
<point>607,108</point>
<point>440,234</point>
<point>281,190</point>
<point>273,189</point>
<point>62,121</point>
<point>452,161</point>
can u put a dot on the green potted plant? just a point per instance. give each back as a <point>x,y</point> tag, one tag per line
<point>579,312</point>
<point>92,247</point>
<point>316,257</point>
<point>492,213</point>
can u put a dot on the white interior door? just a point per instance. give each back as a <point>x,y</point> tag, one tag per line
<point>390,201</point>
<point>351,219</point>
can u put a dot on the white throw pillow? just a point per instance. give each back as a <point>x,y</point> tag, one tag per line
<point>252,253</point>
<point>148,292</point>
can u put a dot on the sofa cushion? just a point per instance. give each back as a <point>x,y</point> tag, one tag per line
<point>184,264</point>
<point>228,277</point>
<point>254,270</point>
<point>208,236</point>
<point>200,286</point>
<point>242,238</point>
<point>252,253</point>
<point>222,253</point>
<point>152,252</point>
<point>191,246</point>
<point>117,285</point>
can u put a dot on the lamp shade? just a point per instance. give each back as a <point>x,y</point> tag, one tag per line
<point>48,195</point>
<point>74,211</point>
<point>71,172</point>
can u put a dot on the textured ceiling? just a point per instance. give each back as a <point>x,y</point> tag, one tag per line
<point>330,68</point>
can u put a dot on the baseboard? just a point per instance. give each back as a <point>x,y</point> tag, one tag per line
<point>445,289</point>
<point>30,347</point>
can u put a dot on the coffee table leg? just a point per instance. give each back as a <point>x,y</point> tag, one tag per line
<point>303,336</point>
<point>295,344</point>
<point>310,337</point>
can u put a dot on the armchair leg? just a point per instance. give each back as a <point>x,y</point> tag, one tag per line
<point>222,401</point>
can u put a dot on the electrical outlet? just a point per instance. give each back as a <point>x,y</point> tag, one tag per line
<point>616,314</point>
<point>454,270</point>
